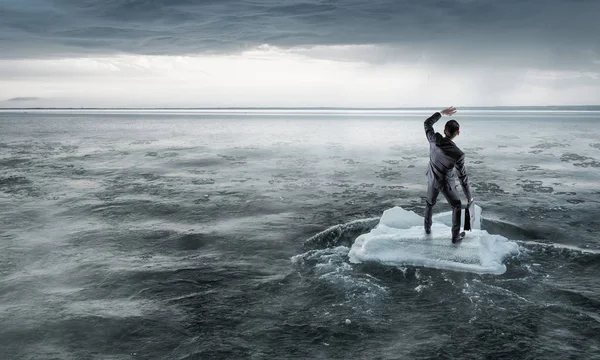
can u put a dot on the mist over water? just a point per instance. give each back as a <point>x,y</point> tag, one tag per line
<point>225,234</point>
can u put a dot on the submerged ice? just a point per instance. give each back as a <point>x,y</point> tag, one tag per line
<point>399,239</point>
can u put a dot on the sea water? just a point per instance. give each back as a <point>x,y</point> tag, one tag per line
<point>233,234</point>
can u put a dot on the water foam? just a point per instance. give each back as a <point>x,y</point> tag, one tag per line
<point>330,267</point>
<point>399,239</point>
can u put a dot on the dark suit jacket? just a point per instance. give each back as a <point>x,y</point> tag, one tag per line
<point>444,156</point>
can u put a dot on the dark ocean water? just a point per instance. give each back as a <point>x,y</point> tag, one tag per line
<point>182,235</point>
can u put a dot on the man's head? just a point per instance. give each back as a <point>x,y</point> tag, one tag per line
<point>452,129</point>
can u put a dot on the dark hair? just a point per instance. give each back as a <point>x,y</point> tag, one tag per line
<point>451,128</point>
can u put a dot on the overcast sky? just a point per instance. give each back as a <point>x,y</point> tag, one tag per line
<point>350,53</point>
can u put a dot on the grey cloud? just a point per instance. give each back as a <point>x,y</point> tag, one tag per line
<point>552,33</point>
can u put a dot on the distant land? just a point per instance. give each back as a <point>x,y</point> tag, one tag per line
<point>24,98</point>
<point>549,107</point>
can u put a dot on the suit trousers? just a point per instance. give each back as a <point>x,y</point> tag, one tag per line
<point>453,199</point>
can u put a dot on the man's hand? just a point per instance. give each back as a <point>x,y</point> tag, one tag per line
<point>449,111</point>
<point>470,201</point>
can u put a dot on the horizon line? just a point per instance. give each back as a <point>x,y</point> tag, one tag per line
<point>596,107</point>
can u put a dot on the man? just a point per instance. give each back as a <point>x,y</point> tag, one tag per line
<point>444,156</point>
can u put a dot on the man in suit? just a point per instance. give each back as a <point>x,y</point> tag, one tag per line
<point>444,157</point>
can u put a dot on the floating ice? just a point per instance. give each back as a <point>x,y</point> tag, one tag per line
<point>399,239</point>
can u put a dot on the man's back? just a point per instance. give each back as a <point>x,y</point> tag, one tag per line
<point>443,156</point>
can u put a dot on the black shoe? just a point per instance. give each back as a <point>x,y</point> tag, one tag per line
<point>427,231</point>
<point>458,238</point>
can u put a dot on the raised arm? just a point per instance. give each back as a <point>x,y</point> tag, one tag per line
<point>463,177</point>
<point>429,132</point>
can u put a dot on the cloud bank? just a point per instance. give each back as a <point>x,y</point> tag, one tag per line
<point>553,33</point>
<point>300,53</point>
